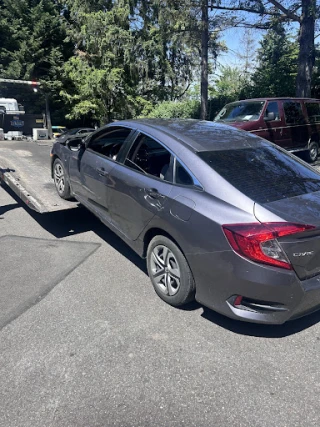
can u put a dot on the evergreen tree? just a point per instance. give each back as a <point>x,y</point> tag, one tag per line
<point>34,39</point>
<point>166,52</point>
<point>32,47</point>
<point>230,83</point>
<point>128,56</point>
<point>277,65</point>
<point>101,72</point>
<point>301,12</point>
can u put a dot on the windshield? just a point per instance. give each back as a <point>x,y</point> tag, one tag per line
<point>265,174</point>
<point>61,131</point>
<point>240,112</point>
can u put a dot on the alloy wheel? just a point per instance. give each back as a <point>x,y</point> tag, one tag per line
<point>165,270</point>
<point>59,178</point>
<point>314,152</point>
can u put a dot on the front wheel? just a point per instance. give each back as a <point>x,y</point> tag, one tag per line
<point>312,154</point>
<point>169,272</point>
<point>60,180</point>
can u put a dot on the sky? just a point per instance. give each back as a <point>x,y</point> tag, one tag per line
<point>233,38</point>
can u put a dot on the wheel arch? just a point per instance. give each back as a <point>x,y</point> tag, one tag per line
<point>315,137</point>
<point>150,234</point>
<point>53,158</point>
<point>156,231</point>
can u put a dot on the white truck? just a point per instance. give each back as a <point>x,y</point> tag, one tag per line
<point>11,106</point>
<point>15,122</point>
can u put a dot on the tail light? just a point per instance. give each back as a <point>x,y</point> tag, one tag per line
<point>258,242</point>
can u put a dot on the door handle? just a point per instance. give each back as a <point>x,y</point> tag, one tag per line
<point>102,172</point>
<point>154,193</point>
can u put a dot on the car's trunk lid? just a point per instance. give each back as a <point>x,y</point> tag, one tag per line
<point>303,248</point>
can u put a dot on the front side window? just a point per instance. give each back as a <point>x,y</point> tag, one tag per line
<point>150,157</point>
<point>109,142</point>
<point>273,107</point>
<point>293,112</point>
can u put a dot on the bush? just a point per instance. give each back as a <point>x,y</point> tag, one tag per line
<point>175,109</point>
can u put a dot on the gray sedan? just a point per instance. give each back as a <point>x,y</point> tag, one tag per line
<point>222,216</point>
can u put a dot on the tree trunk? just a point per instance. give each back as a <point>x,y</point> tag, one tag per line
<point>306,56</point>
<point>48,116</point>
<point>204,59</point>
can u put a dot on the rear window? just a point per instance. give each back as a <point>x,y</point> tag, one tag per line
<point>265,174</point>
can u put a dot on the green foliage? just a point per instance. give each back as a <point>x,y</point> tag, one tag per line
<point>32,47</point>
<point>230,83</point>
<point>98,74</point>
<point>128,56</point>
<point>277,65</point>
<point>112,59</point>
<point>173,109</point>
<point>34,39</point>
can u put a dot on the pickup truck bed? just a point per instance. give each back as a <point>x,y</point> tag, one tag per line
<point>25,168</point>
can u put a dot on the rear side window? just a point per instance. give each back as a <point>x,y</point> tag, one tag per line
<point>293,112</point>
<point>182,176</point>
<point>264,174</point>
<point>313,109</point>
<point>149,157</point>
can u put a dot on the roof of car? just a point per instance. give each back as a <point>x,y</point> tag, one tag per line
<point>197,135</point>
<point>80,128</point>
<point>284,98</point>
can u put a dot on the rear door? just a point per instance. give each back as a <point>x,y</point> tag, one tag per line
<point>313,113</point>
<point>140,188</point>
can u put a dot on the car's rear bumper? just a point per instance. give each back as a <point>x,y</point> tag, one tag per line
<point>270,295</point>
<point>311,298</point>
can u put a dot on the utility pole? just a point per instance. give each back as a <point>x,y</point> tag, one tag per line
<point>35,86</point>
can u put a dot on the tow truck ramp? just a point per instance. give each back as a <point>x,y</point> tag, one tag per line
<point>25,168</point>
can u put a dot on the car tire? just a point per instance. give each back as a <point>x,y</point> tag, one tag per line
<point>60,180</point>
<point>312,154</point>
<point>169,272</point>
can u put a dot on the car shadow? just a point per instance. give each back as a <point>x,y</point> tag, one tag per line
<point>254,329</point>
<point>7,208</point>
<point>79,220</point>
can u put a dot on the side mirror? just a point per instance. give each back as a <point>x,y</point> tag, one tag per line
<point>269,117</point>
<point>75,144</point>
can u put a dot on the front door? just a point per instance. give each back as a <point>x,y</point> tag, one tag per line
<point>272,130</point>
<point>90,169</point>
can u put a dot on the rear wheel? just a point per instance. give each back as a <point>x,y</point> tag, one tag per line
<point>61,180</point>
<point>169,272</point>
<point>312,154</point>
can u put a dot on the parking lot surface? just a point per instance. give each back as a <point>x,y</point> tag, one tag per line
<point>85,341</point>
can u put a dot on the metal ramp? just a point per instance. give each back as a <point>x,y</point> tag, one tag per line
<point>25,168</point>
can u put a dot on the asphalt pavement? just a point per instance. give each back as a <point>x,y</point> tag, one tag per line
<point>85,341</point>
